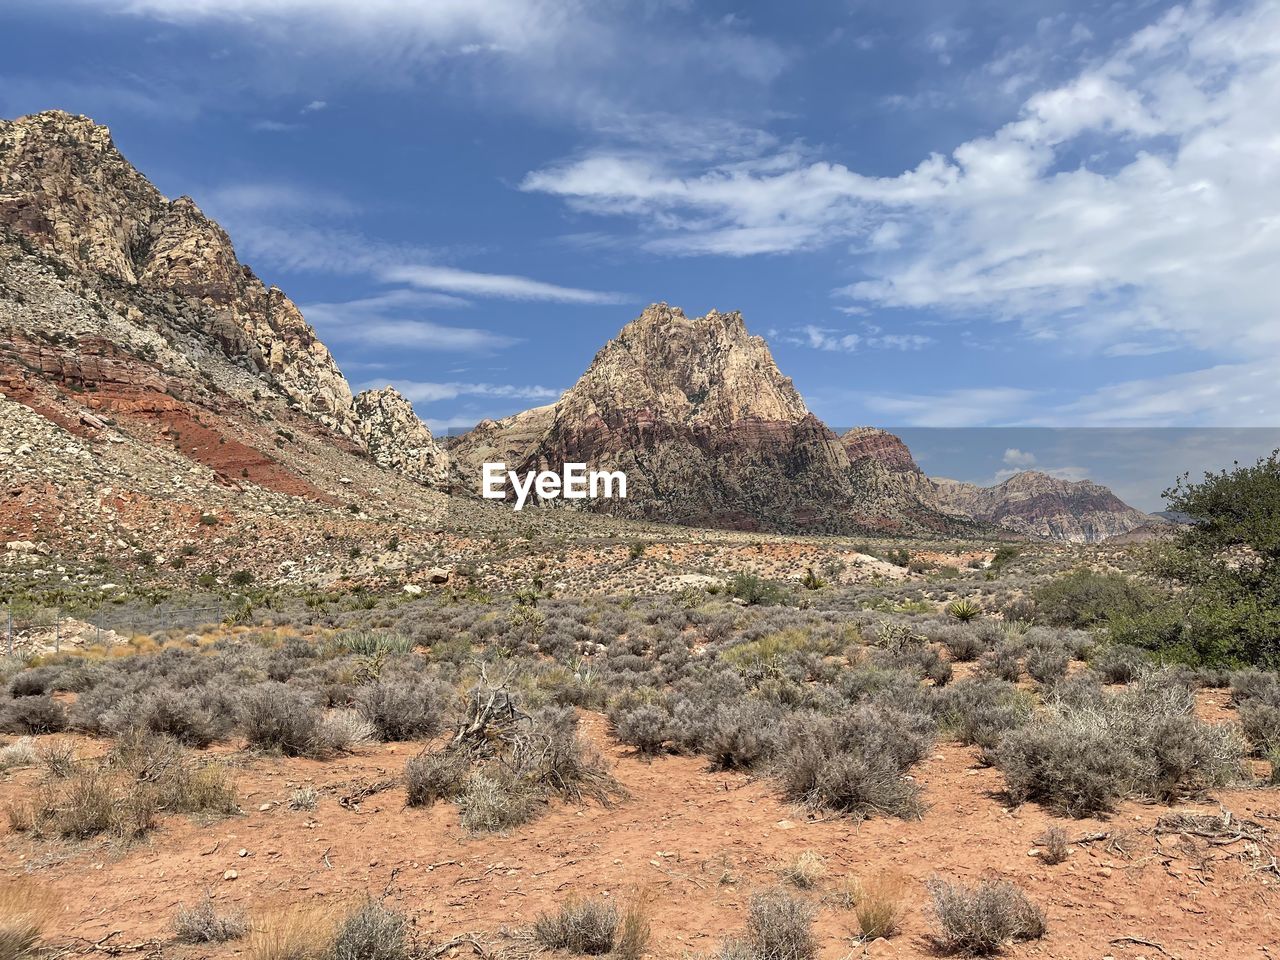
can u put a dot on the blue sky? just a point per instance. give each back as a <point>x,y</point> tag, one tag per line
<point>940,213</point>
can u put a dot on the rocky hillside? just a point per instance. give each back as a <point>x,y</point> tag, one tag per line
<point>708,431</point>
<point>159,403</point>
<point>1038,505</point>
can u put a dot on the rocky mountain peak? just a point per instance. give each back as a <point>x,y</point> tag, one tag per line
<point>397,439</point>
<point>696,370</point>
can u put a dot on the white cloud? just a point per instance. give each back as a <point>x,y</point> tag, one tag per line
<point>1133,209</point>
<point>379,322</point>
<point>503,286</point>
<point>835,341</point>
<point>315,106</point>
<point>430,392</point>
<point>1013,457</point>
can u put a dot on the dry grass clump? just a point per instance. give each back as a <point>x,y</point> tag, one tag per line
<point>879,903</point>
<point>581,926</point>
<point>779,927</point>
<point>1054,846</point>
<point>20,753</point>
<point>304,798</point>
<point>293,934</point>
<point>25,911</point>
<point>980,920</point>
<point>805,871</point>
<point>632,940</point>
<point>203,923</point>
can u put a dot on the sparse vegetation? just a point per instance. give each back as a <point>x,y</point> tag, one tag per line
<point>982,919</point>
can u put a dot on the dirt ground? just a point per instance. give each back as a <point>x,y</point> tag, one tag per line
<point>697,843</point>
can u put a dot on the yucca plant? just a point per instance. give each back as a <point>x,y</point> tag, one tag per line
<point>963,610</point>
<point>373,643</point>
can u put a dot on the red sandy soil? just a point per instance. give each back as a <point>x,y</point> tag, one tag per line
<point>699,843</point>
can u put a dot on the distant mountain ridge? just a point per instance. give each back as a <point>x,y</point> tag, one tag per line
<point>122,307</point>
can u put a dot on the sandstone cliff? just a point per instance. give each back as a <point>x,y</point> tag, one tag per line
<point>397,439</point>
<point>708,431</point>
<point>168,291</point>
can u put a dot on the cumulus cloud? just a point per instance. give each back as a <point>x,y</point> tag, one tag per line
<point>1129,211</point>
<point>420,391</point>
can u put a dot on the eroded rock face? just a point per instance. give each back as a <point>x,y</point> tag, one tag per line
<point>66,191</point>
<point>708,430</point>
<point>397,439</point>
<point>1038,505</point>
<point>881,446</point>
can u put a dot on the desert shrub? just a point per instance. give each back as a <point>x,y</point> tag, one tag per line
<point>371,931</point>
<point>345,730</point>
<point>742,734</point>
<point>980,711</point>
<point>1086,598</point>
<point>581,926</point>
<point>963,645</point>
<point>752,590</point>
<point>1260,721</point>
<point>852,764</point>
<point>1119,662</point>
<point>203,923</point>
<point>33,682</point>
<point>1047,664</point>
<point>1083,755</point>
<point>1251,683</point>
<point>981,920</point>
<point>879,903</point>
<point>34,714</point>
<point>1069,761</point>
<point>441,775</point>
<point>25,910</point>
<point>404,708</point>
<point>275,716</point>
<point>645,726</point>
<point>173,713</point>
<point>1004,662</point>
<point>779,927</point>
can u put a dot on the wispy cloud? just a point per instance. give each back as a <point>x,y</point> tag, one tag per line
<point>391,320</point>
<point>429,392</point>
<point>836,341</point>
<point>503,286</point>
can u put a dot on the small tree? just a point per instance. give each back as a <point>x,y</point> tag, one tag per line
<point>1227,562</point>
